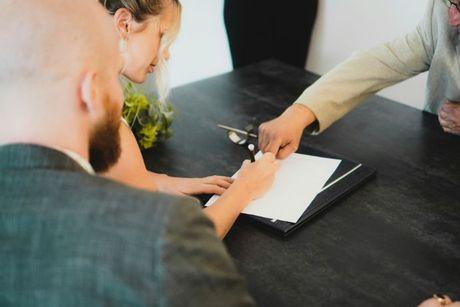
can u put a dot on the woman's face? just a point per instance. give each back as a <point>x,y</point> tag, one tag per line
<point>142,40</point>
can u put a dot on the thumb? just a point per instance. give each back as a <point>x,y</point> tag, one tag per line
<point>286,151</point>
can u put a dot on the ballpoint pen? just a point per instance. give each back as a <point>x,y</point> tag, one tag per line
<point>252,154</point>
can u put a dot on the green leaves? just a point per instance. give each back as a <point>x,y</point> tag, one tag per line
<point>149,119</point>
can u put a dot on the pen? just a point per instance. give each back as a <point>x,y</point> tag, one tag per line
<point>251,152</point>
<point>237,130</point>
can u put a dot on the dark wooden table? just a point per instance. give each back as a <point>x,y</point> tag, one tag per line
<point>394,242</point>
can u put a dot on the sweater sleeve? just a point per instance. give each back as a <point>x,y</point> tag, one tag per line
<point>365,73</point>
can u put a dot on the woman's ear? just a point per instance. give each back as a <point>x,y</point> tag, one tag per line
<point>123,22</point>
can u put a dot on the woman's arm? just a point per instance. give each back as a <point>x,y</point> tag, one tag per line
<point>131,170</point>
<point>224,212</point>
<point>191,186</point>
<point>253,181</point>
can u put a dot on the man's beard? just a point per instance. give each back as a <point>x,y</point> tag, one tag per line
<point>104,143</point>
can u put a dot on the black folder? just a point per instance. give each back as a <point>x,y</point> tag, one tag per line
<point>348,177</point>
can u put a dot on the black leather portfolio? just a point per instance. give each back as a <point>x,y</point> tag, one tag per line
<point>348,177</point>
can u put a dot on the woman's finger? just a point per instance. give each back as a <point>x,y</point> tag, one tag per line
<point>224,184</point>
<point>219,181</point>
<point>268,157</point>
<point>213,189</point>
<point>227,179</point>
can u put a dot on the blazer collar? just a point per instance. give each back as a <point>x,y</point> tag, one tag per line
<point>28,156</point>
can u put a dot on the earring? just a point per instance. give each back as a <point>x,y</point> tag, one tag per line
<point>123,46</point>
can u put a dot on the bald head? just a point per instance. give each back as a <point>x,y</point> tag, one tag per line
<point>59,70</point>
<point>53,40</point>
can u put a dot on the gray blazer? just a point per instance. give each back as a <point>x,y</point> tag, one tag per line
<point>68,238</point>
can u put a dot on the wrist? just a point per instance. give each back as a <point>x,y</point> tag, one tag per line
<point>241,192</point>
<point>158,180</point>
<point>300,114</point>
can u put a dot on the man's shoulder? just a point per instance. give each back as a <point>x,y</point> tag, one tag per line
<point>106,206</point>
<point>91,199</point>
<point>108,193</point>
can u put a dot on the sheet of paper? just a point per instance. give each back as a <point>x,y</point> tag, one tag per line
<point>299,180</point>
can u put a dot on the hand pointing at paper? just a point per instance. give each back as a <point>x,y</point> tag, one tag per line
<point>281,136</point>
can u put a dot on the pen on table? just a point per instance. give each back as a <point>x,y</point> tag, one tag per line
<point>252,154</point>
<point>237,130</point>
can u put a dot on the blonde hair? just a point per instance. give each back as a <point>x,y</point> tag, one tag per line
<point>141,10</point>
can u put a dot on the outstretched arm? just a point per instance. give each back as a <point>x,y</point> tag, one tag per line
<point>131,170</point>
<point>349,84</point>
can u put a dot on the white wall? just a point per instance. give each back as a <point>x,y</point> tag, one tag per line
<point>346,26</point>
<point>201,49</point>
<point>342,27</point>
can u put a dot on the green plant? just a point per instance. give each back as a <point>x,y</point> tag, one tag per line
<point>150,120</point>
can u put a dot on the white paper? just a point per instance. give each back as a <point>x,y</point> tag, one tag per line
<point>297,183</point>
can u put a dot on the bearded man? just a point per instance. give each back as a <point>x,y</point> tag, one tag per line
<point>68,237</point>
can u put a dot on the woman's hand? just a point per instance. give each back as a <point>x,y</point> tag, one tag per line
<point>252,182</point>
<point>191,186</point>
<point>257,178</point>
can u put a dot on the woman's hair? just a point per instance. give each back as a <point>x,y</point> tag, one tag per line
<point>141,10</point>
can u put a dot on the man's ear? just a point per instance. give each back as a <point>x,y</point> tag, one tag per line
<point>88,92</point>
<point>123,22</point>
